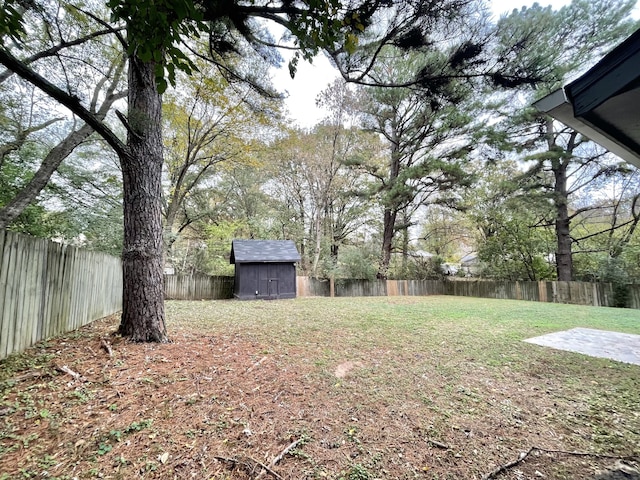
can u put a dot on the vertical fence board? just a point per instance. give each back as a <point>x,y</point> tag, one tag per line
<point>4,287</point>
<point>20,295</point>
<point>36,314</point>
<point>9,260</point>
<point>29,290</point>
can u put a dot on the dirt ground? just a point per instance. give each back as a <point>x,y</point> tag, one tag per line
<point>226,406</point>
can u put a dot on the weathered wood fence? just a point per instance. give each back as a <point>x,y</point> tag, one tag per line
<point>47,289</point>
<point>201,287</point>
<point>579,293</point>
<point>197,287</point>
<point>308,286</point>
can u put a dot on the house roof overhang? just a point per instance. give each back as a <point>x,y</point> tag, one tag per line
<point>604,103</point>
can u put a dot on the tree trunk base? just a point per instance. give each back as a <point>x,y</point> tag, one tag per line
<point>143,333</point>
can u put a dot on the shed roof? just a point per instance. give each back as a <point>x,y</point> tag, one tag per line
<point>264,251</point>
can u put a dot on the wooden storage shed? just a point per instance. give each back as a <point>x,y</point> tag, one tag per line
<point>265,269</point>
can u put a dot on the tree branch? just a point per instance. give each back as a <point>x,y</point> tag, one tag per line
<point>56,49</point>
<point>64,98</point>
<point>21,138</point>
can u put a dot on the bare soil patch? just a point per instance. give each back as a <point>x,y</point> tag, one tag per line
<point>227,404</point>
<point>344,368</point>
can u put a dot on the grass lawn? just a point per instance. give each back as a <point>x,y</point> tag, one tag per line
<point>359,388</point>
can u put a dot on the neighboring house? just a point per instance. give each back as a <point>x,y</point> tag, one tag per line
<point>603,103</point>
<point>449,268</point>
<point>169,269</point>
<point>470,264</point>
<point>446,268</point>
<point>264,269</point>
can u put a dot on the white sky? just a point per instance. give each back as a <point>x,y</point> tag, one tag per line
<point>311,79</point>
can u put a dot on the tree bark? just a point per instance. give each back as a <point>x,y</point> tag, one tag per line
<point>142,257</point>
<point>391,208</point>
<point>559,165</point>
<point>564,256</point>
<point>405,241</point>
<point>387,242</point>
<point>318,244</point>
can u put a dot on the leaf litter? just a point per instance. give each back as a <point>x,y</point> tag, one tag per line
<point>227,404</point>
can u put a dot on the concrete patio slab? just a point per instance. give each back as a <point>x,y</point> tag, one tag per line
<point>622,347</point>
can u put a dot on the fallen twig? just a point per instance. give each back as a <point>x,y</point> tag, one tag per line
<point>29,375</point>
<point>68,371</point>
<point>257,364</point>
<point>494,473</point>
<point>250,467</point>
<point>290,447</point>
<point>588,454</point>
<point>106,347</point>
<point>280,456</point>
<point>523,455</point>
<point>438,444</point>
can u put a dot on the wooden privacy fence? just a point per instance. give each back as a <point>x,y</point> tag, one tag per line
<point>203,287</point>
<point>197,287</point>
<point>47,289</point>
<point>579,293</point>
<point>309,287</point>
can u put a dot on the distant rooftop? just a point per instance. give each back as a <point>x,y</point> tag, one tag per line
<point>264,251</point>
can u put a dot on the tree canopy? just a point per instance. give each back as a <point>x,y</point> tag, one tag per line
<point>420,67</point>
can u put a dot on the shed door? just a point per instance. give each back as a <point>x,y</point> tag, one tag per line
<point>273,287</point>
<point>268,280</point>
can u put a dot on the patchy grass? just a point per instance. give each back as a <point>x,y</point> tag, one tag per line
<point>398,387</point>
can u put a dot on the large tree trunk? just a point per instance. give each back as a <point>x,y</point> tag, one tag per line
<point>387,242</point>
<point>405,241</point>
<point>142,256</point>
<point>564,256</point>
<point>564,260</point>
<point>559,165</point>
<point>390,209</point>
<point>318,246</point>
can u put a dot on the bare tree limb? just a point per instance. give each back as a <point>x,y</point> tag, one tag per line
<point>53,159</point>
<point>21,138</point>
<point>64,98</point>
<point>50,52</point>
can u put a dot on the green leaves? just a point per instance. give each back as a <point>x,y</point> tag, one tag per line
<point>11,20</point>
<point>155,31</point>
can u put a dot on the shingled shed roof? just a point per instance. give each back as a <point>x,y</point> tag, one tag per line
<point>263,251</point>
